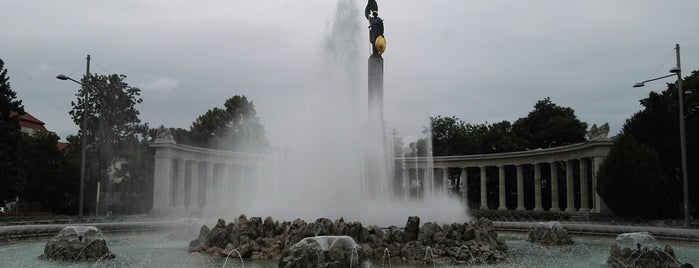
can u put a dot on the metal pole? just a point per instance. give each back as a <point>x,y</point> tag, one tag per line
<point>83,146</point>
<point>683,148</point>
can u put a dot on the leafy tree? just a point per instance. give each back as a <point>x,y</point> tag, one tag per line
<point>51,176</point>
<point>657,126</point>
<point>236,127</point>
<point>11,165</point>
<point>112,123</point>
<point>631,179</point>
<point>550,125</point>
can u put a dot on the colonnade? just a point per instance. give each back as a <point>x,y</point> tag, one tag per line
<point>188,179</point>
<point>580,163</point>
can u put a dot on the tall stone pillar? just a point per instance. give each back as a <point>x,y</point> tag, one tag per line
<point>464,187</point>
<point>162,182</point>
<point>376,158</point>
<point>484,190</point>
<point>537,187</point>
<point>570,189</point>
<point>376,89</point>
<point>501,186</point>
<point>554,187</point>
<point>584,201</point>
<point>520,188</point>
<point>597,202</point>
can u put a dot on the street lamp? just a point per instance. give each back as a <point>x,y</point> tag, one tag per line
<point>683,149</point>
<point>83,146</point>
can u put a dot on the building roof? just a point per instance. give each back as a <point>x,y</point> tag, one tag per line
<point>26,120</point>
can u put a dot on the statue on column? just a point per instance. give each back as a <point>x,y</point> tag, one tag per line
<point>376,37</point>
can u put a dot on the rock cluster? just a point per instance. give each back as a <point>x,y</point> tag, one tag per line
<point>468,243</point>
<point>77,243</point>
<point>550,234</point>
<point>325,252</point>
<point>639,250</point>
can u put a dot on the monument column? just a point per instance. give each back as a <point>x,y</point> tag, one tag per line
<point>584,201</point>
<point>484,190</point>
<point>501,186</point>
<point>570,189</point>
<point>520,188</point>
<point>464,187</point>
<point>554,187</point>
<point>537,187</point>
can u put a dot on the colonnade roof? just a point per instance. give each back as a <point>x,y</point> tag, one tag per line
<point>193,153</point>
<point>589,149</point>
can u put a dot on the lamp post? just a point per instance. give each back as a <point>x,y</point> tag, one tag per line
<point>83,140</point>
<point>683,149</point>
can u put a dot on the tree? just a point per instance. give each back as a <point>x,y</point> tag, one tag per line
<point>550,125</point>
<point>631,179</point>
<point>112,123</point>
<point>11,165</point>
<point>234,128</point>
<point>657,126</point>
<point>51,176</point>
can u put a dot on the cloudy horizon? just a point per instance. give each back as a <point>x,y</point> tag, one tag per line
<point>482,61</point>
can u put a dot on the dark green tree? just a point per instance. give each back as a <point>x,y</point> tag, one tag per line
<point>236,127</point>
<point>52,177</point>
<point>112,124</point>
<point>11,165</point>
<point>631,180</point>
<point>657,126</point>
<point>550,125</point>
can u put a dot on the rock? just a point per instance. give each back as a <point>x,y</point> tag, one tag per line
<point>639,250</point>
<point>325,251</point>
<point>412,227</point>
<point>413,251</point>
<point>201,239</point>
<point>550,233</point>
<point>218,237</point>
<point>77,243</point>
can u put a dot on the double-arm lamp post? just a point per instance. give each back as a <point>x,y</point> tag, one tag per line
<point>683,149</point>
<point>83,141</point>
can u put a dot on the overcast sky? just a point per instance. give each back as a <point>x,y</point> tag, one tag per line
<point>482,61</point>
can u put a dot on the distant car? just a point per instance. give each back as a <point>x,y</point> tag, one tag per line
<point>3,210</point>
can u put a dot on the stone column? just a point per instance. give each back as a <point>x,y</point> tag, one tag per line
<point>554,187</point>
<point>570,189</point>
<point>501,186</point>
<point>194,187</point>
<point>464,187</point>
<point>162,182</point>
<point>584,201</point>
<point>537,188</point>
<point>209,185</point>
<point>445,181</point>
<point>520,188</point>
<point>597,202</point>
<point>484,190</point>
<point>180,192</point>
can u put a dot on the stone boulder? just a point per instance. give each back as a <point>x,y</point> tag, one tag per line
<point>412,227</point>
<point>639,250</point>
<point>324,252</point>
<point>77,243</point>
<point>550,234</point>
<point>218,237</point>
